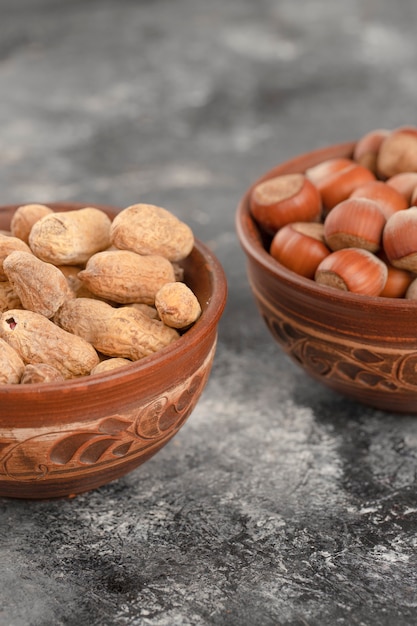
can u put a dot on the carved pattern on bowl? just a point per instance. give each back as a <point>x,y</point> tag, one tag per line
<point>345,361</point>
<point>108,441</point>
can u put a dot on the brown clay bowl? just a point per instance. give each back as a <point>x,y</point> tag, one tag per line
<point>67,438</point>
<point>360,346</point>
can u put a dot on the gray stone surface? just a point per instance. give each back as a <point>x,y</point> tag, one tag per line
<point>279,503</point>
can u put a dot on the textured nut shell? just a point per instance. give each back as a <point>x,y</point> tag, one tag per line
<point>177,305</point>
<point>398,152</point>
<point>9,244</point>
<point>119,332</point>
<point>38,340</point>
<point>398,282</point>
<point>8,297</point>
<point>367,148</point>
<point>11,364</point>
<point>338,186</point>
<point>147,309</point>
<point>411,293</point>
<point>400,239</point>
<point>354,223</point>
<point>150,229</point>
<point>300,247</point>
<point>76,285</point>
<point>110,364</point>
<point>178,271</point>
<point>285,199</point>
<point>388,198</point>
<point>41,286</point>
<point>124,276</point>
<point>71,274</point>
<point>40,373</point>
<point>70,238</point>
<point>405,183</point>
<point>25,217</point>
<point>353,269</point>
<point>318,173</point>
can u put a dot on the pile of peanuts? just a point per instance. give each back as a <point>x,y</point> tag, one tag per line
<point>81,294</point>
<point>349,223</point>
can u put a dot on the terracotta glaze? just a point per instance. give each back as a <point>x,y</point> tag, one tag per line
<point>363,347</point>
<point>60,439</point>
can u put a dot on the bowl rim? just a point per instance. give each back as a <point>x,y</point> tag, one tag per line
<point>194,335</point>
<point>250,239</point>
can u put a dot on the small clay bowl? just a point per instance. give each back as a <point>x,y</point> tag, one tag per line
<point>360,346</point>
<point>67,438</point>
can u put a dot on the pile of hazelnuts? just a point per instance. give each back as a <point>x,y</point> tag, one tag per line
<point>349,223</point>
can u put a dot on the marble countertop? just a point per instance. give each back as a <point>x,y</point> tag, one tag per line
<point>279,503</point>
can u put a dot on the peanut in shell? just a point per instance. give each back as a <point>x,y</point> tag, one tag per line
<point>115,331</point>
<point>70,237</point>
<point>11,365</point>
<point>126,277</point>
<point>149,229</point>
<point>38,340</point>
<point>40,286</point>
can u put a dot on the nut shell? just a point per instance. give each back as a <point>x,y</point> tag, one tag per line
<point>38,340</point>
<point>40,373</point>
<point>405,183</point>
<point>117,332</point>
<point>11,364</point>
<point>300,247</point>
<point>400,239</point>
<point>339,186</point>
<point>70,238</point>
<point>398,152</point>
<point>320,172</point>
<point>389,199</point>
<point>126,277</point>
<point>285,199</point>
<point>25,217</point>
<point>353,269</point>
<point>177,305</point>
<point>398,280</point>
<point>367,148</point>
<point>148,229</point>
<point>40,286</point>
<point>354,223</point>
<point>9,244</point>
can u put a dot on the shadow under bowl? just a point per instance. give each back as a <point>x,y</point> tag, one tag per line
<point>61,439</point>
<point>360,346</point>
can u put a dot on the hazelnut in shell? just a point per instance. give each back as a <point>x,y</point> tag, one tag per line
<point>398,152</point>
<point>338,186</point>
<point>388,199</point>
<point>411,293</point>
<point>354,223</point>
<point>354,270</point>
<point>285,199</point>
<point>399,239</point>
<point>398,280</point>
<point>367,148</point>
<point>300,247</point>
<point>405,183</point>
<point>321,171</point>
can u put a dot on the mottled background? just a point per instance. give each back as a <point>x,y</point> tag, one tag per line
<point>279,503</point>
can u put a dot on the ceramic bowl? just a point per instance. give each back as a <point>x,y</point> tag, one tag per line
<point>63,439</point>
<point>360,346</point>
